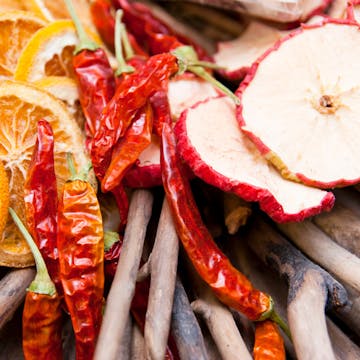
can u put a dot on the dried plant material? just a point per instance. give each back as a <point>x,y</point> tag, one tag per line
<point>211,143</point>
<point>236,212</point>
<point>299,104</point>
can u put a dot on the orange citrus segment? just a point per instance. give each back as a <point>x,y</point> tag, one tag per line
<point>65,89</point>
<point>52,10</point>
<point>16,29</point>
<point>21,107</point>
<point>6,5</point>
<point>4,197</point>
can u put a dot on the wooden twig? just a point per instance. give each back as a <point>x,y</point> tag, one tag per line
<point>164,260</point>
<point>236,212</point>
<point>344,348</point>
<point>12,292</point>
<point>311,289</point>
<point>185,328</point>
<point>343,226</point>
<point>125,343</point>
<point>324,251</point>
<point>349,198</point>
<point>123,286</point>
<point>222,327</point>
<point>137,349</point>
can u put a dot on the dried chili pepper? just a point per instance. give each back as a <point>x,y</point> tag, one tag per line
<point>269,344</point>
<point>41,200</point>
<point>130,96</point>
<point>81,255</point>
<point>136,139</point>
<point>94,75</point>
<point>112,250</point>
<point>42,315</point>
<point>232,287</point>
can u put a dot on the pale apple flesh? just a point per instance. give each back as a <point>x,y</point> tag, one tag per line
<point>300,104</point>
<point>213,146</point>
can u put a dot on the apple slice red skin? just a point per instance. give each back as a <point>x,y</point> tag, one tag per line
<point>350,9</point>
<point>143,176</point>
<point>264,150</point>
<point>248,192</point>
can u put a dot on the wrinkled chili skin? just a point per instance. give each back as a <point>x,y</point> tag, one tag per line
<point>130,96</point>
<point>230,286</point>
<point>42,327</point>
<point>269,344</point>
<point>111,259</point>
<point>104,21</point>
<point>41,200</point>
<point>136,139</point>
<point>96,83</point>
<point>161,109</point>
<point>81,254</point>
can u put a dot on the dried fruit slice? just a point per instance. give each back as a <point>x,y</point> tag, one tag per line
<point>184,91</point>
<point>300,104</point>
<point>237,55</point>
<point>21,106</point>
<point>8,5</point>
<point>210,141</point>
<point>16,29</point>
<point>313,7</point>
<point>64,89</point>
<point>353,10</point>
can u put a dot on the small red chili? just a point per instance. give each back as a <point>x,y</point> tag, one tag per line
<point>81,255</point>
<point>41,200</point>
<point>231,287</point>
<point>269,344</point>
<point>42,315</point>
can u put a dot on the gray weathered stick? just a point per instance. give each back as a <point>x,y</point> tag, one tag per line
<point>123,286</point>
<point>12,292</point>
<point>343,226</point>
<point>137,350</point>
<point>344,348</point>
<point>311,289</point>
<point>324,251</point>
<point>185,328</point>
<point>125,343</point>
<point>164,260</point>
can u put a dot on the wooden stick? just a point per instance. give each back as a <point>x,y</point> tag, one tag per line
<point>12,292</point>
<point>222,327</point>
<point>185,328</point>
<point>125,343</point>
<point>311,290</point>
<point>344,348</point>
<point>123,286</point>
<point>343,226</point>
<point>164,260</point>
<point>349,198</point>
<point>338,9</point>
<point>137,344</point>
<point>319,247</point>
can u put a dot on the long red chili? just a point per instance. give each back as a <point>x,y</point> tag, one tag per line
<point>130,96</point>
<point>231,287</point>
<point>41,200</point>
<point>81,255</point>
<point>42,315</point>
<point>269,344</point>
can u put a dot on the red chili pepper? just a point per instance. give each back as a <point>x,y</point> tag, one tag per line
<point>81,255</point>
<point>112,250</point>
<point>269,344</point>
<point>231,287</point>
<point>130,96</point>
<point>41,200</point>
<point>42,315</point>
<point>94,75</point>
<point>128,148</point>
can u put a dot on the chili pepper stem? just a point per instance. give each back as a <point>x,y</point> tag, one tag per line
<point>85,42</point>
<point>110,238</point>
<point>129,51</point>
<point>74,175</point>
<point>42,284</point>
<point>283,325</point>
<point>123,68</point>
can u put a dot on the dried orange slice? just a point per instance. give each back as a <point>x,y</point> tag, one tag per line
<point>16,29</point>
<point>4,197</point>
<point>65,89</point>
<point>52,10</point>
<point>21,106</point>
<point>7,5</point>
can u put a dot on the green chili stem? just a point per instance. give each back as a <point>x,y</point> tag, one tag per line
<point>85,42</point>
<point>42,284</point>
<point>283,325</point>
<point>74,175</point>
<point>123,68</point>
<point>202,73</point>
<point>128,49</point>
<point>110,238</point>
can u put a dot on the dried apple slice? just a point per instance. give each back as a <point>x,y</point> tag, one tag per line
<point>300,104</point>
<point>212,144</point>
<point>184,91</point>
<point>353,10</point>
<point>237,55</point>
